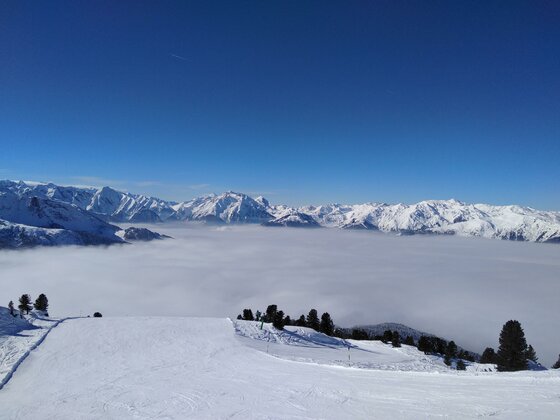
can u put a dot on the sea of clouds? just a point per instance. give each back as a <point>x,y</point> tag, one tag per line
<point>459,288</point>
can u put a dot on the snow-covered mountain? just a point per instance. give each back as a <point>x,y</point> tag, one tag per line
<point>450,217</point>
<point>133,233</point>
<point>107,203</point>
<point>291,218</point>
<point>29,220</point>
<point>229,207</point>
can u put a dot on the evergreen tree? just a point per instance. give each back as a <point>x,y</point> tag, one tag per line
<point>451,350</point>
<point>396,339</point>
<point>425,344</point>
<point>300,322</point>
<point>409,341</point>
<point>387,336</point>
<point>447,359</point>
<point>461,365</point>
<point>439,345</point>
<point>24,304</point>
<point>11,307</point>
<point>341,333</point>
<point>288,320</point>
<point>359,334</point>
<point>312,320</point>
<point>258,315</point>
<point>248,315</point>
<point>469,356</point>
<point>557,364</point>
<point>41,303</point>
<point>513,347</point>
<point>530,354</point>
<point>278,320</point>
<point>239,317</point>
<point>488,355</point>
<point>270,313</point>
<point>327,325</point>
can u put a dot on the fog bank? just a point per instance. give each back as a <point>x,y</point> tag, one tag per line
<point>459,288</point>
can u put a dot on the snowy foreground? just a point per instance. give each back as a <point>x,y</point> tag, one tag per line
<point>18,337</point>
<point>176,368</point>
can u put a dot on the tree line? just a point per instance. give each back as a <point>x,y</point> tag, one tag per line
<point>279,320</point>
<point>24,306</point>
<point>513,353</point>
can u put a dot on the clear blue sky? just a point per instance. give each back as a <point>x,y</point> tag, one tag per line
<point>303,101</point>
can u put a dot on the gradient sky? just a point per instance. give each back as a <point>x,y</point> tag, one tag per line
<point>302,101</point>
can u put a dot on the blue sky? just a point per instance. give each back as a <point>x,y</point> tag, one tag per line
<point>302,101</point>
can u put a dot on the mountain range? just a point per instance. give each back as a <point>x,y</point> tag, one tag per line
<point>44,213</point>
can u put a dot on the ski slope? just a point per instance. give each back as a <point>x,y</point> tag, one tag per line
<point>178,368</point>
<point>18,336</point>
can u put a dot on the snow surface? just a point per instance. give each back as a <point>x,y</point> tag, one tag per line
<point>177,368</point>
<point>18,336</point>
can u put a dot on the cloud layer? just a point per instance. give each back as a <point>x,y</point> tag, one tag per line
<point>459,288</point>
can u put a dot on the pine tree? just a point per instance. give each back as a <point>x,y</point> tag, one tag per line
<point>488,355</point>
<point>409,341</point>
<point>461,365</point>
<point>530,354</point>
<point>270,313</point>
<point>288,320</point>
<point>513,347</point>
<point>327,325</point>
<point>396,339</point>
<point>387,336</point>
<point>425,344</point>
<point>300,322</point>
<point>278,320</point>
<point>312,320</point>
<point>439,345</point>
<point>41,303</point>
<point>447,360</point>
<point>239,317</point>
<point>341,333</point>
<point>451,350</point>
<point>359,334</point>
<point>24,304</point>
<point>469,356</point>
<point>557,364</point>
<point>11,307</point>
<point>248,315</point>
<point>258,315</point>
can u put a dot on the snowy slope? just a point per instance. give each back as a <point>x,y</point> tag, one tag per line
<point>450,217</point>
<point>307,345</point>
<point>13,236</point>
<point>180,368</point>
<point>18,336</point>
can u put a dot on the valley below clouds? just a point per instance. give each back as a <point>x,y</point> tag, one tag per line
<point>458,288</point>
